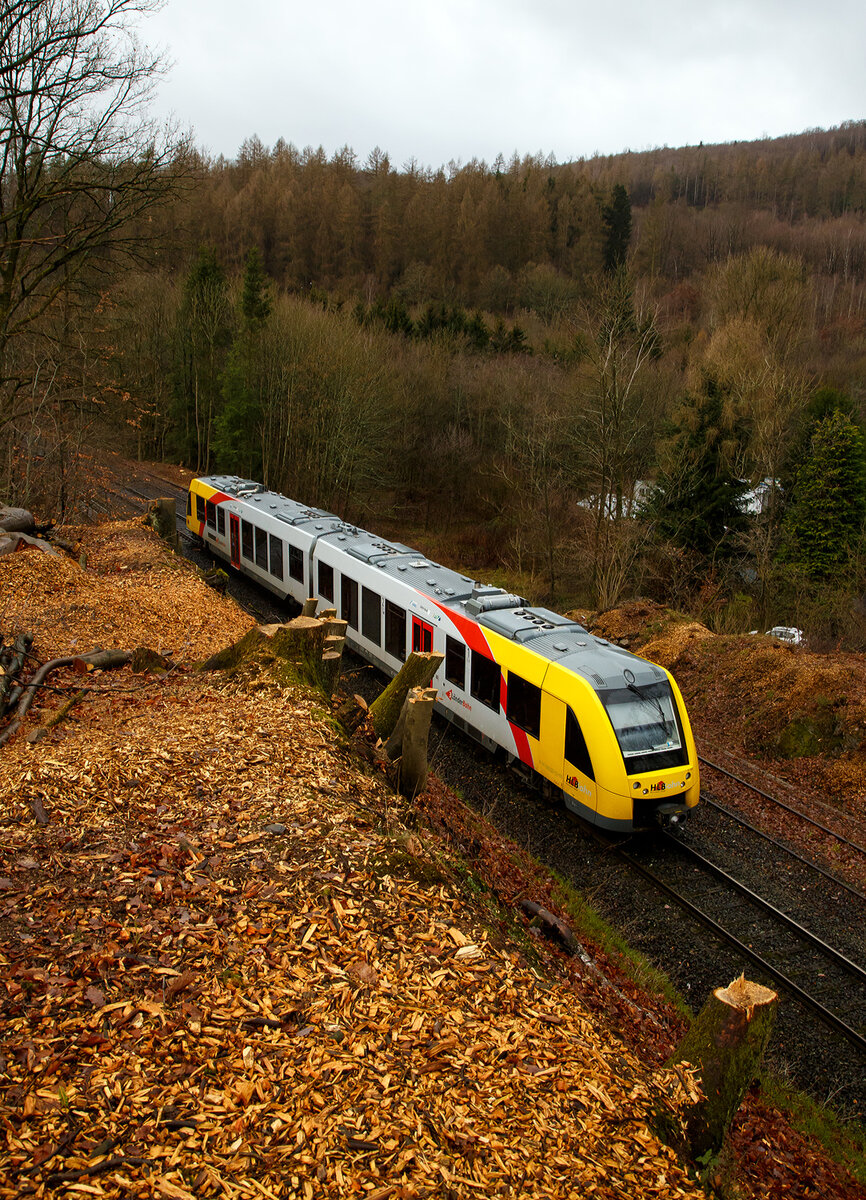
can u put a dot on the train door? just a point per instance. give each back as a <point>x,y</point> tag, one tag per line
<point>548,757</point>
<point>235,533</point>
<point>422,636</point>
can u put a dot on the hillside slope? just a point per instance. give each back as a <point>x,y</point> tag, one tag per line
<point>229,969</point>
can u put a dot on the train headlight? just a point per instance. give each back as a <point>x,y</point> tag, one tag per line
<point>636,786</point>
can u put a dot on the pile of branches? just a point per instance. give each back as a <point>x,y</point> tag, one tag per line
<point>17,692</point>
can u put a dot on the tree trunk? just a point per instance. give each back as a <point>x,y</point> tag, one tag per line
<point>417,671</point>
<point>163,518</point>
<point>13,659</point>
<point>726,1044</point>
<point>310,606</point>
<point>394,745</point>
<point>413,762</point>
<point>352,713</point>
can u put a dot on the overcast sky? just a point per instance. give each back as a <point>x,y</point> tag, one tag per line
<point>462,79</point>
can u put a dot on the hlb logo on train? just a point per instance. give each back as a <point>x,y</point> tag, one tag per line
<point>573,781</point>
<point>657,787</point>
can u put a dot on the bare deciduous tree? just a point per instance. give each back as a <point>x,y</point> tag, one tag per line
<point>80,163</point>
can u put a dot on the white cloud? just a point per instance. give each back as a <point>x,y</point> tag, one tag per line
<point>471,78</point>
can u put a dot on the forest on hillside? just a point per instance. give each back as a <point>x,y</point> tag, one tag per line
<point>635,374</point>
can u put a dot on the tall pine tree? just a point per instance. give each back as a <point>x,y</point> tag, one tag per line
<point>237,438</point>
<point>616,218</point>
<point>697,500</point>
<point>824,522</point>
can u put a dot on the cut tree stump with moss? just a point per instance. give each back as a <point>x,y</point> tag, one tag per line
<point>725,1044</point>
<point>417,671</point>
<point>163,517</point>
<point>303,641</point>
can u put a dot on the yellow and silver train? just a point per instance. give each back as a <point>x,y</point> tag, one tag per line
<point>606,728</point>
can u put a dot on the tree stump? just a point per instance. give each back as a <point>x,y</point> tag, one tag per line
<point>417,671</point>
<point>352,713</point>
<point>163,518</point>
<point>332,660</point>
<point>412,776</point>
<point>394,745</point>
<point>726,1043</point>
<point>301,641</point>
<point>310,606</point>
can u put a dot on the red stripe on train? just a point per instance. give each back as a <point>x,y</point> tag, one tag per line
<point>474,638</point>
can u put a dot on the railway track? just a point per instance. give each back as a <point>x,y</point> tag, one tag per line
<point>808,819</point>
<point>785,953</point>
<point>813,975</point>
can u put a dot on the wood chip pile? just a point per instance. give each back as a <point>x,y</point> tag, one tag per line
<point>132,592</point>
<point>227,971</point>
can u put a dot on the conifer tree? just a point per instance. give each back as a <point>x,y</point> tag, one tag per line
<point>237,440</point>
<point>825,521</point>
<point>697,500</point>
<point>204,335</point>
<point>616,218</point>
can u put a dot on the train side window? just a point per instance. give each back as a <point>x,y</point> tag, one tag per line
<point>455,662</point>
<point>261,548</point>
<point>371,616</point>
<point>189,504</point>
<point>576,750</point>
<point>326,581</point>
<point>200,507</point>
<point>349,601</point>
<point>484,680</point>
<point>211,514</point>
<point>395,630</point>
<point>221,521</point>
<point>276,557</point>
<point>247,540</point>
<point>296,564</point>
<point>524,705</point>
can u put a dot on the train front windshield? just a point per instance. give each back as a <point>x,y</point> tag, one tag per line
<point>647,726</point>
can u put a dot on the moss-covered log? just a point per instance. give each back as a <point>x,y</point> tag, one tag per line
<point>417,671</point>
<point>726,1043</point>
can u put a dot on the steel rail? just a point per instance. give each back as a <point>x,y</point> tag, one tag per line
<point>781,803</point>
<point>735,816</point>
<point>824,1015</point>
<point>849,967</point>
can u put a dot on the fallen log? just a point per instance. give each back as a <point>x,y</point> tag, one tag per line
<point>12,661</point>
<point>100,660</point>
<point>552,925</point>
<point>725,1043</point>
<point>417,671</point>
<point>13,542</point>
<point>97,659</point>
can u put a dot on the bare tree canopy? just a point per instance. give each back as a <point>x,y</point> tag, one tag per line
<point>79,159</point>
